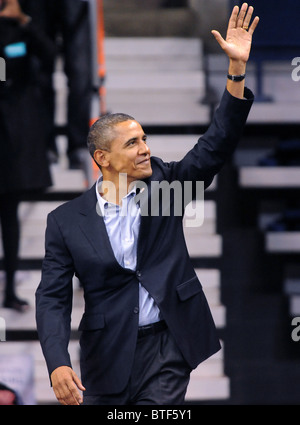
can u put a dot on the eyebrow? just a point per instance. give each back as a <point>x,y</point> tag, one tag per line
<point>135,138</point>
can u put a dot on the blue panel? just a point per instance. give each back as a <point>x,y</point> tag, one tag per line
<point>279,25</point>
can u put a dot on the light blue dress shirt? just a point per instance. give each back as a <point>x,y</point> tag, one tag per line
<point>122,224</point>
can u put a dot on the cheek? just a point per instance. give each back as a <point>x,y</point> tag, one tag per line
<point>126,163</point>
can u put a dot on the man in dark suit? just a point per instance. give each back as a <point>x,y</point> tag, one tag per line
<point>146,323</point>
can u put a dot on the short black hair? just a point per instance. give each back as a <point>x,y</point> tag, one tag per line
<point>101,132</point>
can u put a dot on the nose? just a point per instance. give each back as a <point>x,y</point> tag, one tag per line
<point>143,148</point>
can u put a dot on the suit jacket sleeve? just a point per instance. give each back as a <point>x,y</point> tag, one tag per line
<point>54,298</point>
<point>216,146</point>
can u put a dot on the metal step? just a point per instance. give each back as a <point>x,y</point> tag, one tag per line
<point>149,22</point>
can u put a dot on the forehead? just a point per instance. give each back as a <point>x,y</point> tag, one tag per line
<point>127,129</point>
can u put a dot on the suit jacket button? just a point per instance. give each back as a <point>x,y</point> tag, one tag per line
<point>138,273</point>
<point>136,310</point>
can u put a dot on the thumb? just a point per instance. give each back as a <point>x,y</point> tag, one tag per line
<point>219,38</point>
<point>78,382</point>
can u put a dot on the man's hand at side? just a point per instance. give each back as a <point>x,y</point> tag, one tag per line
<point>65,385</point>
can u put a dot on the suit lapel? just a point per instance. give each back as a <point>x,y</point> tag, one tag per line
<point>143,199</point>
<point>93,226</point>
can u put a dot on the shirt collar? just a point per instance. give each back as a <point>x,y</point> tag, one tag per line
<point>103,203</point>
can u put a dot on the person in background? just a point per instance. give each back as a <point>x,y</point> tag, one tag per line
<point>67,24</point>
<point>23,152</point>
<point>9,397</point>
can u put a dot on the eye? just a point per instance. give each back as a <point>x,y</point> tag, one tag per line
<point>130,143</point>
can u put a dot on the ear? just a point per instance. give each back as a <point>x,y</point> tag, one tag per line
<point>101,158</point>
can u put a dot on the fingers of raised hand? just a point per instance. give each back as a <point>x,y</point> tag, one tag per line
<point>244,16</point>
<point>253,25</point>
<point>240,18</point>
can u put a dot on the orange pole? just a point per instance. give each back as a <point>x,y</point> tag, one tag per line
<point>101,57</point>
<point>101,71</point>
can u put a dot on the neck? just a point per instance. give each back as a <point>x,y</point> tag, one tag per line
<point>114,190</point>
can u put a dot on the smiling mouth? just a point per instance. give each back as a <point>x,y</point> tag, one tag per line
<point>145,161</point>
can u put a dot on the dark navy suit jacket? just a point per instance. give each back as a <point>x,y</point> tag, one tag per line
<point>77,242</point>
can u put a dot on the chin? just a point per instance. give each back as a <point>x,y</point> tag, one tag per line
<point>145,174</point>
